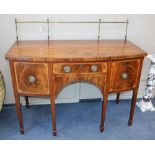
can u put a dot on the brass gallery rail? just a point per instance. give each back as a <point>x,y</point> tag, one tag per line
<point>48,22</point>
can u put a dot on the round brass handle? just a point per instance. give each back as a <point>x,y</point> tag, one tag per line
<point>124,76</point>
<point>67,69</point>
<point>31,79</point>
<point>94,68</point>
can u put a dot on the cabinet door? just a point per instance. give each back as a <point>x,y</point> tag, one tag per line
<point>32,78</point>
<point>124,75</point>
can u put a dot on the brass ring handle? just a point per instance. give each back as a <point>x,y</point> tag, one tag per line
<point>124,76</point>
<point>31,79</point>
<point>94,68</point>
<point>67,69</point>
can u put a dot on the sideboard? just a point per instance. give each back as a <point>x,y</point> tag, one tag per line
<point>43,68</point>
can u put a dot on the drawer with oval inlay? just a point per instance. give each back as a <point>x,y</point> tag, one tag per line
<point>32,78</point>
<point>79,68</point>
<point>124,75</point>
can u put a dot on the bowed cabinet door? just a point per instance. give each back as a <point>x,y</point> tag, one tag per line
<point>32,78</point>
<point>124,75</point>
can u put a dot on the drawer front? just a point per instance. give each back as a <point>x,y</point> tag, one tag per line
<point>79,68</point>
<point>32,78</point>
<point>124,75</point>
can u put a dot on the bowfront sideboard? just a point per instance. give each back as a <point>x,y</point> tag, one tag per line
<point>43,68</point>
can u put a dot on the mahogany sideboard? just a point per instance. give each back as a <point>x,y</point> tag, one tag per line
<point>43,68</point>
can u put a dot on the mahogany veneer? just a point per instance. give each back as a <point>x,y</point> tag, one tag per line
<point>43,68</point>
<point>39,71</point>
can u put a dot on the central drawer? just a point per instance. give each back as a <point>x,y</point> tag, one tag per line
<point>79,68</point>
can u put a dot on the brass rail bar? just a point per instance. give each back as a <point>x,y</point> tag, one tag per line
<point>16,29</point>
<point>48,29</point>
<point>65,22</point>
<point>99,29</point>
<point>80,22</point>
<point>31,22</point>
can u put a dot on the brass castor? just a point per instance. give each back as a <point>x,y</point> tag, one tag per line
<point>102,129</point>
<point>54,133</point>
<point>129,123</point>
<point>22,131</point>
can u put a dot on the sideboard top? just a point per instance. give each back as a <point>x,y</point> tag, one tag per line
<point>73,50</point>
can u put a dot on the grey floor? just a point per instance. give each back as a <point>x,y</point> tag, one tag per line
<point>78,121</point>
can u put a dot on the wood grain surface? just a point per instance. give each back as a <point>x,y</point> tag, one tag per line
<point>73,50</point>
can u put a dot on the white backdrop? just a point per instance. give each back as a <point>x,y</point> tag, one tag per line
<point>141,31</point>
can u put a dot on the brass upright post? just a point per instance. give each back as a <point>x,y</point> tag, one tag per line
<point>48,29</point>
<point>16,29</point>
<point>126,30</point>
<point>99,28</point>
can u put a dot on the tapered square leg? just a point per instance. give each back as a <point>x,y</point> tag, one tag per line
<point>19,114</point>
<point>117,98</point>
<point>17,99</point>
<point>104,107</point>
<point>52,99</point>
<point>53,116</point>
<point>27,102</point>
<point>53,111</point>
<point>133,104</point>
